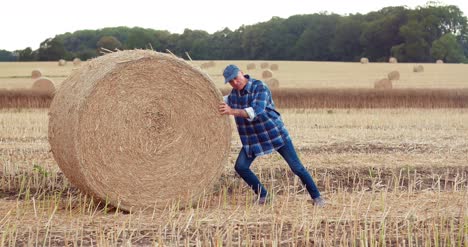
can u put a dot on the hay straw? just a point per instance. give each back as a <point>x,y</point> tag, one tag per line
<point>274,67</point>
<point>36,73</point>
<point>439,61</point>
<point>44,85</point>
<point>76,61</point>
<point>364,60</point>
<point>418,68</point>
<point>383,84</point>
<point>142,133</point>
<point>272,83</point>
<point>62,62</point>
<point>393,60</point>
<point>394,75</point>
<point>251,66</point>
<point>267,74</point>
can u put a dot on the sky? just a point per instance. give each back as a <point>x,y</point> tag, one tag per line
<point>26,23</point>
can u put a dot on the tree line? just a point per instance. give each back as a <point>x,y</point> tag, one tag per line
<point>424,34</point>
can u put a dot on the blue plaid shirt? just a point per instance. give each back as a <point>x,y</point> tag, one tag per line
<point>264,132</point>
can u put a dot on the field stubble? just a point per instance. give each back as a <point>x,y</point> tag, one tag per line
<point>391,177</point>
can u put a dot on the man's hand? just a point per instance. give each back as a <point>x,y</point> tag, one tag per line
<point>224,109</point>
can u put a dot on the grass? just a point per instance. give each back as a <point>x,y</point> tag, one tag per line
<point>392,177</point>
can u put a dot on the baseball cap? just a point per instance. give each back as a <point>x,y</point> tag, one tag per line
<point>230,72</point>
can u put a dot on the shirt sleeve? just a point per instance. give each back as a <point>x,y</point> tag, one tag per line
<point>260,101</point>
<point>225,98</point>
<point>250,111</point>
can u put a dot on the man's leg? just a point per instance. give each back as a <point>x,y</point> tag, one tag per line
<point>242,167</point>
<point>289,154</point>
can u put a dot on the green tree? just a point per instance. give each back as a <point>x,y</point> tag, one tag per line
<point>27,55</point>
<point>52,49</point>
<point>7,56</point>
<point>448,49</point>
<point>108,42</point>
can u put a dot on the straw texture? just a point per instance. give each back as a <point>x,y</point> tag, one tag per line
<point>139,129</point>
<point>44,85</point>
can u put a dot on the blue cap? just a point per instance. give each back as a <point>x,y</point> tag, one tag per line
<point>230,72</point>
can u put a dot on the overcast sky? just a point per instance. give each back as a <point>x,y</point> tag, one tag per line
<point>28,23</point>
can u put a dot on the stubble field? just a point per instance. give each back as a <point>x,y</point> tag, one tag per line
<point>391,177</point>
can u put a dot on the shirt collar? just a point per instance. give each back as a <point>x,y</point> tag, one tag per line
<point>248,86</point>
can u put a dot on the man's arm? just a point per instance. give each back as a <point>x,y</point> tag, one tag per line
<point>225,109</point>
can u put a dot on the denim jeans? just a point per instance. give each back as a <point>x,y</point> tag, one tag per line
<point>288,152</point>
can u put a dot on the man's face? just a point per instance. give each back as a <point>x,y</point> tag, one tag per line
<point>238,82</point>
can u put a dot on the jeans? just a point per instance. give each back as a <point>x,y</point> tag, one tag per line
<point>288,152</point>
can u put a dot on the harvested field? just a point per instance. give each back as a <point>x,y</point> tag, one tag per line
<point>391,165</point>
<point>307,98</point>
<point>401,171</point>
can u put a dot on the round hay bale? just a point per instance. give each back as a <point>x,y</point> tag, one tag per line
<point>267,74</point>
<point>418,68</point>
<point>272,83</point>
<point>394,75</point>
<point>62,62</point>
<point>36,73</point>
<point>364,60</point>
<point>207,65</point>
<point>393,60</point>
<point>274,67</point>
<point>139,129</point>
<point>439,61</point>
<point>43,85</point>
<point>264,65</point>
<point>76,61</point>
<point>383,84</point>
<point>251,66</point>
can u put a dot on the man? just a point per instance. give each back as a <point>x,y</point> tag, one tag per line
<point>261,131</point>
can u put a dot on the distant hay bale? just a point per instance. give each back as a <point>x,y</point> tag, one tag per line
<point>251,66</point>
<point>62,62</point>
<point>267,74</point>
<point>393,60</point>
<point>383,84</point>
<point>207,65</point>
<point>418,68</point>
<point>36,73</point>
<point>439,61</point>
<point>126,129</point>
<point>272,83</point>
<point>394,75</point>
<point>274,67</point>
<point>364,60</point>
<point>264,65</point>
<point>76,61</point>
<point>43,85</point>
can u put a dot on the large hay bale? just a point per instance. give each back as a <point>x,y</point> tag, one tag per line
<point>272,83</point>
<point>36,73</point>
<point>139,129</point>
<point>418,68</point>
<point>76,61</point>
<point>383,84</point>
<point>439,61</point>
<point>251,66</point>
<point>264,65</point>
<point>393,60</point>
<point>267,74</point>
<point>43,85</point>
<point>274,67</point>
<point>62,62</point>
<point>364,60</point>
<point>394,75</point>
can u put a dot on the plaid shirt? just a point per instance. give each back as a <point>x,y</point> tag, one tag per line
<point>264,132</point>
